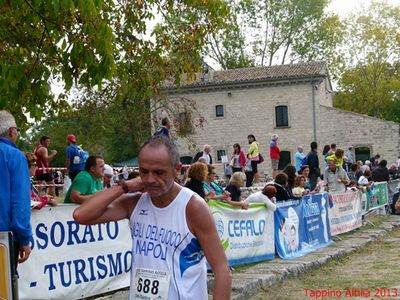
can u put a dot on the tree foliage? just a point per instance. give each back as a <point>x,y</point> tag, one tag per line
<point>371,80</point>
<point>269,32</point>
<point>117,46</point>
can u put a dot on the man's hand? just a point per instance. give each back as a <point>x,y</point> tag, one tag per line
<point>24,252</point>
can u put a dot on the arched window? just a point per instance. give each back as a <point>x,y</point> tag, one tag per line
<point>281,116</point>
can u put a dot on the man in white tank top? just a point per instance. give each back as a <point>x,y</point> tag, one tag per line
<point>173,231</point>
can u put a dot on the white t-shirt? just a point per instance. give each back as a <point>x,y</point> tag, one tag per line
<point>259,197</point>
<point>363,180</point>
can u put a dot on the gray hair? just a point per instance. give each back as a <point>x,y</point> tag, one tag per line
<point>6,121</point>
<point>156,141</point>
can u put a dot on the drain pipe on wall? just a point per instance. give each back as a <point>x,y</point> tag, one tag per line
<point>313,88</point>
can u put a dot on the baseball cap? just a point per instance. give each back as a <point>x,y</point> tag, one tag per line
<point>71,138</point>
<point>108,170</point>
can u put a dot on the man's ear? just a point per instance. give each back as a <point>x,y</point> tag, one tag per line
<point>178,168</point>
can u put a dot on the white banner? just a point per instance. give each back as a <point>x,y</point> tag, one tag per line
<point>346,212</point>
<point>247,235</point>
<point>72,261</point>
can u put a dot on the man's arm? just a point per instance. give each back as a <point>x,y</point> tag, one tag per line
<point>20,205</point>
<point>45,154</point>
<point>202,225</point>
<point>108,205</point>
<point>77,197</point>
<point>67,164</point>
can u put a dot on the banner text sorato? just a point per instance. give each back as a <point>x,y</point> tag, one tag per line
<point>78,271</point>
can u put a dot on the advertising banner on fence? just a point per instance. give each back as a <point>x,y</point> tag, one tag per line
<point>377,196</point>
<point>72,261</point>
<point>346,212</point>
<point>247,235</point>
<point>302,226</point>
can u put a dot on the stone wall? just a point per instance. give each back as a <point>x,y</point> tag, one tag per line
<point>253,111</point>
<point>351,129</point>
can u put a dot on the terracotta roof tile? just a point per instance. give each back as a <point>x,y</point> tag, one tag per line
<point>291,71</point>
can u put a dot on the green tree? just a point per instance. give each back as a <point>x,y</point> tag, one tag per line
<point>371,81</point>
<point>116,46</point>
<point>269,32</point>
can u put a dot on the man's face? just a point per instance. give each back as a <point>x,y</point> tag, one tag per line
<point>13,133</point>
<point>156,171</point>
<point>332,165</point>
<point>300,149</point>
<point>46,143</point>
<point>98,170</point>
<point>207,149</point>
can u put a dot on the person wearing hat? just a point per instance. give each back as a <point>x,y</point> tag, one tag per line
<point>274,153</point>
<point>73,163</point>
<point>108,175</point>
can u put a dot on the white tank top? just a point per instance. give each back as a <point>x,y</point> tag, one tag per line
<point>167,260</point>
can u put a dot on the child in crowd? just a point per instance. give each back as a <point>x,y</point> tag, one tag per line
<point>299,189</point>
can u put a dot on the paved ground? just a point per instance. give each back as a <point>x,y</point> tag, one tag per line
<point>247,282</point>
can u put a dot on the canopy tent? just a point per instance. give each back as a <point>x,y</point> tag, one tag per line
<point>132,162</point>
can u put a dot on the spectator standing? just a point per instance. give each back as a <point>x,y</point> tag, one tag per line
<point>43,174</point>
<point>349,158</point>
<point>338,157</point>
<point>335,177</point>
<point>313,163</point>
<point>299,156</point>
<point>381,172</point>
<point>366,166</point>
<point>274,154</point>
<point>15,210</point>
<point>197,174</point>
<point>332,150</point>
<point>205,154</point>
<point>73,163</point>
<point>353,172</point>
<point>325,153</point>
<point>164,128</point>
<point>233,188</point>
<point>253,154</point>
<point>238,159</point>
<point>164,204</point>
<point>38,199</point>
<point>87,182</point>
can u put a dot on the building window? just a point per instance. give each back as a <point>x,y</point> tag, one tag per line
<point>284,160</point>
<point>220,153</point>
<point>281,116</point>
<point>219,111</point>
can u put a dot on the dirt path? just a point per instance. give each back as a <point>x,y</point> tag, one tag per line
<point>370,273</point>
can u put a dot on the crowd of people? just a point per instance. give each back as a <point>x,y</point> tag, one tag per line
<point>161,190</point>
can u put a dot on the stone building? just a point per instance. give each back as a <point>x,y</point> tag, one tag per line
<point>293,101</point>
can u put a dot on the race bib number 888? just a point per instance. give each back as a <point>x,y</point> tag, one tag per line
<point>150,284</point>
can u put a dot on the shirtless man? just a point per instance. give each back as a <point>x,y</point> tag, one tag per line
<point>177,270</point>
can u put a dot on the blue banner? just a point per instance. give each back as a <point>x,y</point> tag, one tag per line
<point>302,226</point>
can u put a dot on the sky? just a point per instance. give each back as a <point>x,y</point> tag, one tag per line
<point>343,7</point>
